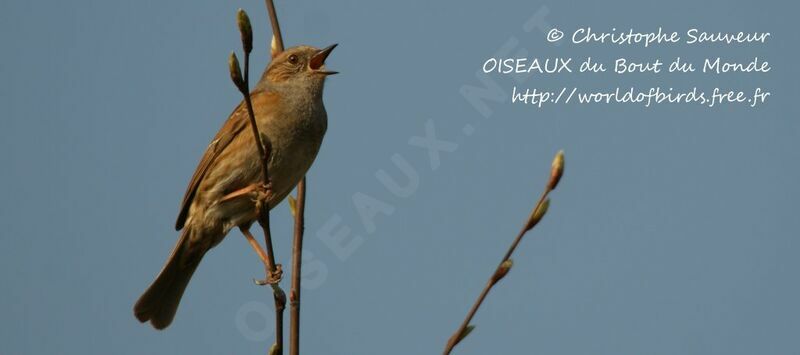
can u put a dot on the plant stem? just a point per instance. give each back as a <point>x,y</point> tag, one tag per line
<point>263,211</point>
<point>299,221</point>
<point>297,262</point>
<point>276,27</point>
<point>457,336</point>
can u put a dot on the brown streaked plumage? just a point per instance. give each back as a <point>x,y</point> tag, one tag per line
<point>291,117</point>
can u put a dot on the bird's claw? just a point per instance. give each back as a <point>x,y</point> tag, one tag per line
<point>257,192</point>
<point>261,193</point>
<point>272,277</point>
<point>262,190</point>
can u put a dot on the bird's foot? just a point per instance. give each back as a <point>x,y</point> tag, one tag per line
<point>262,191</point>
<point>261,194</point>
<point>257,192</point>
<point>272,277</point>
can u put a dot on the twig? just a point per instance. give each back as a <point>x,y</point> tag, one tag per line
<point>276,27</point>
<point>297,261</point>
<point>243,84</point>
<point>506,263</point>
<point>298,212</point>
<point>276,47</point>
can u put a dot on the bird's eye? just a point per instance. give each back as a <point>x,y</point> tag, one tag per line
<point>293,59</point>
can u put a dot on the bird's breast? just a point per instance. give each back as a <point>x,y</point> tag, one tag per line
<point>293,133</point>
<point>295,142</point>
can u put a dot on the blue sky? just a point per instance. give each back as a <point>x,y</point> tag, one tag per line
<point>674,230</point>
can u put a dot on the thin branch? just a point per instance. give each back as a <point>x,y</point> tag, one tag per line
<point>274,271</point>
<point>297,261</point>
<point>506,263</point>
<point>276,47</point>
<point>276,27</point>
<point>299,215</point>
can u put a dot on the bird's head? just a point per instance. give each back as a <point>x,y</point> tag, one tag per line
<point>301,65</point>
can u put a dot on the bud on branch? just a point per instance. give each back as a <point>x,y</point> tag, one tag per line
<point>502,270</point>
<point>292,205</point>
<point>556,170</point>
<point>273,47</point>
<point>236,72</point>
<point>537,214</point>
<point>245,30</point>
<point>464,334</point>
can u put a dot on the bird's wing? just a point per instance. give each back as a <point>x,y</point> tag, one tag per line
<point>236,123</point>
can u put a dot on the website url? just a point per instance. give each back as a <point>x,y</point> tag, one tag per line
<point>646,97</point>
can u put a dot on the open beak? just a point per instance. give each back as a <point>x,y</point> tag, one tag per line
<point>318,60</point>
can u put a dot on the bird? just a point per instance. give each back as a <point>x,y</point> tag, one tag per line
<point>291,118</point>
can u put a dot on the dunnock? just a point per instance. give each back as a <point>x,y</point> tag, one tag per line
<point>291,118</point>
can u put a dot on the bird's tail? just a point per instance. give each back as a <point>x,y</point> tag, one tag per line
<point>159,302</point>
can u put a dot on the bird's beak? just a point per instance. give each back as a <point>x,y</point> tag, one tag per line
<point>318,60</point>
